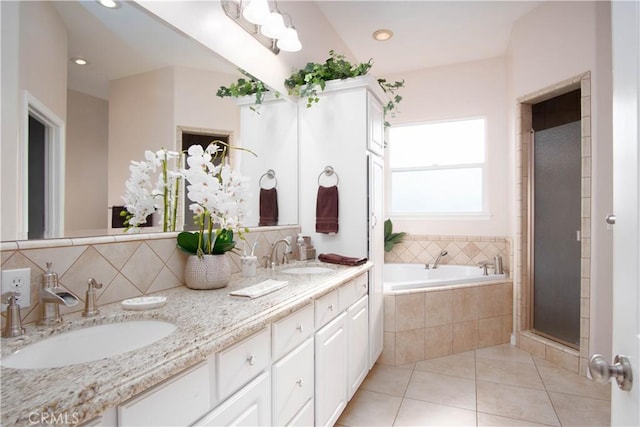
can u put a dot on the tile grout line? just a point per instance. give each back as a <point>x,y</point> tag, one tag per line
<point>555,411</point>
<point>404,395</point>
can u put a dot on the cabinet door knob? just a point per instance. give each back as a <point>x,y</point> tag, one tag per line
<point>299,382</point>
<point>251,360</point>
<point>330,307</point>
<point>299,328</point>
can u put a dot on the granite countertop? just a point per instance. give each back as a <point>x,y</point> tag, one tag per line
<point>207,321</point>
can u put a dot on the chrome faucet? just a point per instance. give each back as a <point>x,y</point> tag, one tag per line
<point>436,263</point>
<point>271,260</point>
<point>52,297</point>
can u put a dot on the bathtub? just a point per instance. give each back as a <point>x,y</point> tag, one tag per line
<point>434,313</point>
<point>406,277</point>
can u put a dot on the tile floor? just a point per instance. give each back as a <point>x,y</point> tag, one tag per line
<point>493,386</point>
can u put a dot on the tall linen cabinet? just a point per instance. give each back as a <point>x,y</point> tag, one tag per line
<point>345,130</point>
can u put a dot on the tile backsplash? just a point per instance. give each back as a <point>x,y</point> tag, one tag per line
<point>462,250</point>
<point>128,266</point>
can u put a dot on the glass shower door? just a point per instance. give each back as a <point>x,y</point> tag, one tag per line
<point>556,233</point>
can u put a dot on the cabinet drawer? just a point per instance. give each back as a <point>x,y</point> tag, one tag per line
<point>292,383</point>
<point>326,308</point>
<point>176,402</point>
<point>238,364</point>
<point>361,285</point>
<point>291,331</point>
<point>351,291</point>
<point>248,407</point>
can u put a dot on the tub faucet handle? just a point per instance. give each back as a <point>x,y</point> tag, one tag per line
<point>485,266</point>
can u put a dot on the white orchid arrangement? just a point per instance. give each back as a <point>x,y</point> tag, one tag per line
<point>219,197</point>
<point>142,197</point>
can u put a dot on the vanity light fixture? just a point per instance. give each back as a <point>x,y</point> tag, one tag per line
<point>79,61</point>
<point>256,11</point>
<point>256,18</point>
<point>382,35</point>
<point>109,4</point>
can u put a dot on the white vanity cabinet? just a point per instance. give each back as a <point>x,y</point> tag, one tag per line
<point>357,344</point>
<point>292,370</point>
<point>248,407</point>
<point>331,371</point>
<point>342,348</point>
<point>299,370</point>
<point>178,401</point>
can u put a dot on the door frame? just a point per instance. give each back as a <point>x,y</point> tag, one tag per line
<point>575,360</point>
<point>55,148</point>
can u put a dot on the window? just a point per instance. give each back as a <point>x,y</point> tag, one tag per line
<point>437,168</point>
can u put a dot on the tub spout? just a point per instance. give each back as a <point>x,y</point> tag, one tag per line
<point>436,263</point>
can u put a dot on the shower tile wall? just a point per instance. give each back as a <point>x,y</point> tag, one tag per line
<point>462,250</point>
<point>128,265</point>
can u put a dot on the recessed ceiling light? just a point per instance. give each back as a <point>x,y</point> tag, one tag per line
<point>79,61</point>
<point>382,35</point>
<point>111,4</point>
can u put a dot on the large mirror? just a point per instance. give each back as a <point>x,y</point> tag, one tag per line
<point>146,86</point>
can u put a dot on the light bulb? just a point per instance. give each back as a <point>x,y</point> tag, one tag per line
<point>256,11</point>
<point>273,26</point>
<point>289,41</point>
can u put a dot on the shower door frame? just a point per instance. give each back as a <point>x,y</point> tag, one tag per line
<point>525,337</point>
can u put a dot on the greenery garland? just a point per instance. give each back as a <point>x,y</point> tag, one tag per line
<point>246,87</point>
<point>307,82</point>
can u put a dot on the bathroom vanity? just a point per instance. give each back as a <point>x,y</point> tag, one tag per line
<point>292,357</point>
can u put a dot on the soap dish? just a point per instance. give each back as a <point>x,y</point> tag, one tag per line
<point>143,303</point>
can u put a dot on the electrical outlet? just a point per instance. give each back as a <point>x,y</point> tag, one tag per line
<point>18,280</point>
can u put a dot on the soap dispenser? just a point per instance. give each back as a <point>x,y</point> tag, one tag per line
<point>301,248</point>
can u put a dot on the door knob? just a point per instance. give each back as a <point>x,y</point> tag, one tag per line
<point>610,219</point>
<point>601,371</point>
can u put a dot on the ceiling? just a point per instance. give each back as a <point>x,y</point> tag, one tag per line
<point>426,33</point>
<point>123,42</point>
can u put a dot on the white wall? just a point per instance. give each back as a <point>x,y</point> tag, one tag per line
<point>140,118</point>
<point>196,103</point>
<point>466,90</point>
<point>557,41</point>
<point>34,50</point>
<point>146,109</point>
<point>86,163</point>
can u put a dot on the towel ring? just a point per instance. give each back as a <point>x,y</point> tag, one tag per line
<point>270,174</point>
<point>329,171</point>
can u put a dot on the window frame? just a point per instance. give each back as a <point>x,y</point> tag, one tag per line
<point>482,214</point>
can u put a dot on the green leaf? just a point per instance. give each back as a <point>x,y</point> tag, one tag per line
<point>188,242</point>
<point>224,242</point>
<point>391,238</point>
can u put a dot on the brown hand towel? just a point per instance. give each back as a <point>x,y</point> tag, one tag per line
<point>327,210</point>
<point>341,259</point>
<point>268,207</point>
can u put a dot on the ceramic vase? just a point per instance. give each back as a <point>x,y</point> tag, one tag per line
<point>207,272</point>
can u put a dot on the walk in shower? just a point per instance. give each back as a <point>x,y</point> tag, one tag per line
<point>553,243</point>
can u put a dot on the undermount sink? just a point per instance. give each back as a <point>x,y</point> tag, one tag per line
<point>307,270</point>
<point>88,344</point>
